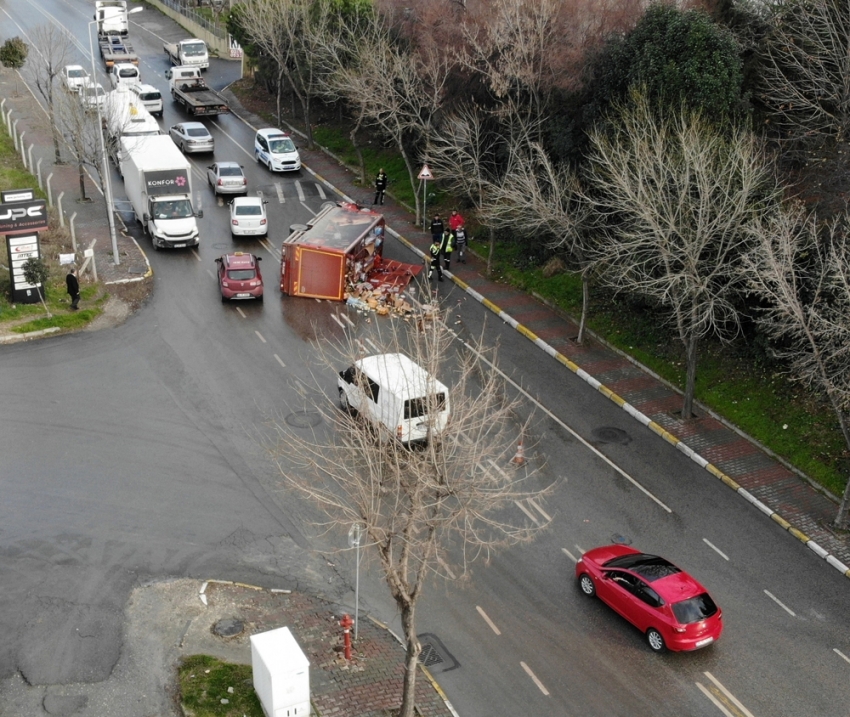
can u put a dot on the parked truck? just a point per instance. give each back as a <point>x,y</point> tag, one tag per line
<point>114,48</point>
<point>189,89</point>
<point>158,182</point>
<point>111,17</point>
<point>188,53</point>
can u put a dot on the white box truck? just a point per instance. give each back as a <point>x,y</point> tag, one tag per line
<point>158,181</point>
<point>124,115</point>
<point>111,17</point>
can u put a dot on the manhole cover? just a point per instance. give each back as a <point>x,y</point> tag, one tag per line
<point>609,434</point>
<point>621,539</point>
<point>228,627</point>
<point>429,655</point>
<point>434,653</point>
<point>303,419</point>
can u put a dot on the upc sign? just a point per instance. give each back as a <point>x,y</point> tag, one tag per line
<point>23,217</point>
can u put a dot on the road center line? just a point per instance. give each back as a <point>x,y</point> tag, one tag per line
<point>840,654</point>
<point>260,336</point>
<point>569,555</point>
<point>717,703</point>
<point>780,603</point>
<point>488,620</point>
<point>241,313</point>
<point>728,694</point>
<point>534,677</point>
<point>279,189</point>
<point>715,549</point>
<point>280,360</point>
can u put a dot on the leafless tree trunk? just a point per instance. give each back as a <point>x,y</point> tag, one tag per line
<point>539,200</point>
<point>805,78</point>
<point>51,52</point>
<point>80,132</point>
<point>674,200</point>
<point>426,511</point>
<point>801,269</point>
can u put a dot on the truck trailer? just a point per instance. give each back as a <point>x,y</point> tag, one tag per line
<point>158,181</point>
<point>339,251</point>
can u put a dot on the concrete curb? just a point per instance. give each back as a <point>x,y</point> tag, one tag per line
<point>18,338</point>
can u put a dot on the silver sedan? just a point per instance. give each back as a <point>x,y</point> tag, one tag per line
<point>227,178</point>
<point>192,137</point>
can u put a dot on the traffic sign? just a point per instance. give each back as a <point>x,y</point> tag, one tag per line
<point>425,173</point>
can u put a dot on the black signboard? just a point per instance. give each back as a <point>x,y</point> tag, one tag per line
<point>16,195</point>
<point>23,217</point>
<point>172,181</point>
<point>21,248</point>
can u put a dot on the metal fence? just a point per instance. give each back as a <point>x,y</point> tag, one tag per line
<point>210,26</point>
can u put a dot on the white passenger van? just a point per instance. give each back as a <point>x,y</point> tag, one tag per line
<point>397,395</point>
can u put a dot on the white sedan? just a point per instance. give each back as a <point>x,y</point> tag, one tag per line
<point>248,217</point>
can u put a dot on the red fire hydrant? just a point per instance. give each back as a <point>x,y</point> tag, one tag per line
<point>346,624</point>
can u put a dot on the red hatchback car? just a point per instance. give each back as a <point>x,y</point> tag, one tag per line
<point>662,601</point>
<point>239,276</point>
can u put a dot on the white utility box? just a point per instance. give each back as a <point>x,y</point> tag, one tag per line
<point>281,674</point>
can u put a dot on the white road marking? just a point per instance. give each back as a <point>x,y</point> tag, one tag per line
<point>197,256</point>
<point>569,555</point>
<point>488,620</point>
<point>260,336</point>
<point>233,139</point>
<point>300,191</point>
<point>321,191</point>
<point>715,549</point>
<point>279,189</point>
<point>269,247</point>
<point>539,509</point>
<point>241,313</point>
<point>780,603</point>
<point>344,317</point>
<point>334,317</point>
<point>581,550</point>
<point>717,703</point>
<point>445,566</point>
<point>209,271</point>
<point>372,344</point>
<point>525,510</point>
<point>840,654</point>
<point>534,677</point>
<point>280,360</point>
<point>728,694</point>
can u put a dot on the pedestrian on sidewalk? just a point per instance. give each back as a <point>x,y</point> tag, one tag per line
<point>73,286</point>
<point>437,228</point>
<point>460,243</point>
<point>455,221</point>
<point>447,246</point>
<point>434,251</point>
<point>381,182</point>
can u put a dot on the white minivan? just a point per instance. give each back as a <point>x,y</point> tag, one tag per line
<point>397,395</point>
<point>150,97</point>
<point>124,74</point>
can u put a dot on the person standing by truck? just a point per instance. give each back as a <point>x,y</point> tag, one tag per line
<point>381,182</point>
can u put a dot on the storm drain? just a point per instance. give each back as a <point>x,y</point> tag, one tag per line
<point>434,654</point>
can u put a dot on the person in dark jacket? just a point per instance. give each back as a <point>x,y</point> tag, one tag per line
<point>73,286</point>
<point>437,228</point>
<point>460,243</point>
<point>447,246</point>
<point>434,251</point>
<point>381,182</point>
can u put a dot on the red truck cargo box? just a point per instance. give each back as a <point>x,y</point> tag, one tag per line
<point>342,246</point>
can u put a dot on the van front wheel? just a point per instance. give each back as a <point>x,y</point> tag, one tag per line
<point>343,401</point>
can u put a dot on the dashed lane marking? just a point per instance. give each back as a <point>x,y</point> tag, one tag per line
<point>780,603</point>
<point>715,548</point>
<point>569,555</point>
<point>280,360</point>
<point>300,190</point>
<point>260,337</point>
<point>534,678</point>
<point>840,654</point>
<point>488,620</point>
<point>279,189</point>
<point>241,313</point>
<point>197,256</point>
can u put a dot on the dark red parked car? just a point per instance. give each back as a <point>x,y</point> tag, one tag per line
<point>662,601</point>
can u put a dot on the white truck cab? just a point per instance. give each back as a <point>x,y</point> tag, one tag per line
<point>124,74</point>
<point>180,74</point>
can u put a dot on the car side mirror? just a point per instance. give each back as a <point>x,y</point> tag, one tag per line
<point>200,214</point>
<point>210,167</point>
<point>146,217</point>
<point>265,201</point>
<point>259,258</point>
<point>218,260</point>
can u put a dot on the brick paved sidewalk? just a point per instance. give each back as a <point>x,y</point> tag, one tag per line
<point>743,465</point>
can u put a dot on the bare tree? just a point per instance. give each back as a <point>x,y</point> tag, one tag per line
<point>425,511</point>
<point>806,68</point>
<point>800,268</point>
<point>674,199</point>
<point>398,90</point>
<point>539,199</point>
<point>81,133</point>
<point>52,48</point>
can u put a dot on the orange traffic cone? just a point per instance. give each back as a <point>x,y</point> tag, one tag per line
<point>519,458</point>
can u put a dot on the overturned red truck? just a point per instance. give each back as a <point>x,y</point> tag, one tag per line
<point>339,252</point>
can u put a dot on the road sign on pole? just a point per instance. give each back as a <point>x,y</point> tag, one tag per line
<point>424,175</point>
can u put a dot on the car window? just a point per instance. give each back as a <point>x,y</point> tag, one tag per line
<point>230,171</point>
<point>626,581</point>
<point>695,609</point>
<point>127,73</point>
<point>193,49</point>
<point>648,595</point>
<point>282,145</point>
<point>197,132</point>
<point>370,388</point>
<point>248,211</point>
<point>650,567</point>
<point>76,73</point>
<point>240,274</point>
<point>263,144</point>
<point>150,96</point>
<point>348,374</point>
<point>416,407</point>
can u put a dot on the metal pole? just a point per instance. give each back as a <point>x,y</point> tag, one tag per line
<point>59,203</point>
<point>107,180</point>
<point>49,190</point>
<point>357,593</point>
<point>15,131</point>
<point>30,157</point>
<point>424,203</point>
<point>23,150</point>
<point>73,232</point>
<point>38,173</point>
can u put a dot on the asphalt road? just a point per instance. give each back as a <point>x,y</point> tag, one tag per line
<point>134,453</point>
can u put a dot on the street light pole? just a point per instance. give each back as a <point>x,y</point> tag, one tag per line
<point>107,179</point>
